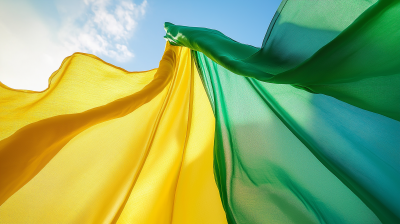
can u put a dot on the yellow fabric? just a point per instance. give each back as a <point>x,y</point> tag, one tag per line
<point>103,145</point>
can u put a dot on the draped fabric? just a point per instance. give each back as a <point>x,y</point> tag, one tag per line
<point>266,133</point>
<point>284,155</point>
<point>103,145</point>
<point>344,49</point>
<point>305,129</point>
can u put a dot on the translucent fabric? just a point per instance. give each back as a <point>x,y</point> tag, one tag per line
<point>338,48</point>
<point>284,155</point>
<point>343,49</point>
<point>103,145</point>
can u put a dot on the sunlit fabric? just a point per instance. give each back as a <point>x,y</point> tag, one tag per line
<point>103,145</point>
<point>267,132</point>
<point>305,129</point>
<point>284,155</point>
<point>345,49</point>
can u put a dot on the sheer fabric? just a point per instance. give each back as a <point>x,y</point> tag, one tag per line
<point>284,155</point>
<point>103,145</point>
<point>344,49</point>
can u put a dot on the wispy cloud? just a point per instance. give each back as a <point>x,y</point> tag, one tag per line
<point>32,49</point>
<point>103,28</point>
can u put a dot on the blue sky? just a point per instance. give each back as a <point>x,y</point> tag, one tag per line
<point>36,35</point>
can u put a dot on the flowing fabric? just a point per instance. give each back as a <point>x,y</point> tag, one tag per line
<point>344,49</point>
<point>104,145</point>
<point>284,155</point>
<point>305,129</point>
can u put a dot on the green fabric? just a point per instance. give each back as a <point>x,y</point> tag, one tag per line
<point>345,49</point>
<point>284,155</point>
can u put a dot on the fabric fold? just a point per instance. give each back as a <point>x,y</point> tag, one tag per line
<point>30,148</point>
<point>142,157</point>
<point>104,145</point>
<point>344,49</point>
<point>284,155</point>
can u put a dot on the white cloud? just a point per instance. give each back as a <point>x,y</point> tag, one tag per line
<point>31,49</point>
<point>103,28</point>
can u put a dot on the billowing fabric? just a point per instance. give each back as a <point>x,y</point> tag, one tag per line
<point>345,49</point>
<point>103,145</point>
<point>284,155</point>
